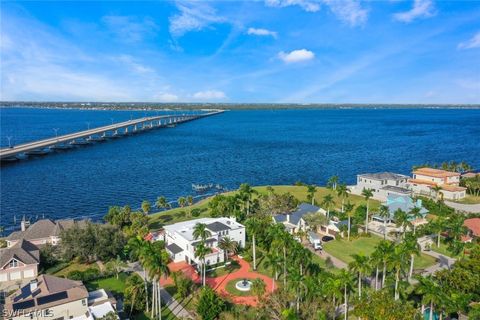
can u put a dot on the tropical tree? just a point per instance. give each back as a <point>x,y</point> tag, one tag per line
<point>162,203</point>
<point>430,291</point>
<point>349,211</point>
<point>273,261</point>
<point>384,213</point>
<point>135,296</point>
<point>397,263</point>
<point>200,231</point>
<point>401,220</point>
<point>332,182</point>
<point>311,189</point>
<point>437,189</point>
<point>296,279</point>
<point>138,251</point>
<point>328,202</point>
<point>209,305</point>
<point>182,201</point>
<point>116,266</point>
<point>201,251</point>
<point>146,206</point>
<point>385,251</point>
<point>342,192</point>
<point>346,281</point>
<point>415,214</point>
<point>245,193</point>
<point>157,264</point>
<point>438,226</point>
<point>253,226</point>
<point>229,246</point>
<point>190,200</point>
<point>367,194</point>
<point>315,220</point>
<point>359,265</point>
<point>258,288</point>
<point>412,248</point>
<point>375,262</point>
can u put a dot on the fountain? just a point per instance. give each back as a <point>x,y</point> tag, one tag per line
<point>243,285</point>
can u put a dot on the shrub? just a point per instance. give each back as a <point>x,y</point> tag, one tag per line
<point>209,305</point>
<point>196,212</point>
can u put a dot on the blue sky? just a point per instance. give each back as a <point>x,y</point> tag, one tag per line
<point>283,51</point>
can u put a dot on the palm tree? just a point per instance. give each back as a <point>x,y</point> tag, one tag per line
<point>146,206</point>
<point>430,292</point>
<point>437,190</point>
<point>349,211</point>
<point>311,189</point>
<point>182,201</point>
<point>296,282</point>
<point>333,288</point>
<point>411,247</point>
<point>359,265</point>
<point>162,203</point>
<point>367,193</point>
<point>245,193</point>
<point>200,231</point>
<point>376,260</point>
<point>401,220</point>
<point>346,281</point>
<point>384,213</point>
<point>327,203</point>
<point>397,263</point>
<point>139,250</point>
<point>190,200</point>
<point>438,225</point>
<point>332,182</point>
<point>228,246</point>
<point>342,192</point>
<point>385,251</point>
<point>116,265</point>
<point>415,214</point>
<point>273,261</point>
<point>253,225</point>
<point>201,251</point>
<point>157,261</point>
<point>258,288</point>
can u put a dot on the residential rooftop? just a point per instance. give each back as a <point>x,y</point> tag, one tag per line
<point>437,173</point>
<point>214,225</point>
<point>44,228</point>
<point>23,251</point>
<point>383,176</point>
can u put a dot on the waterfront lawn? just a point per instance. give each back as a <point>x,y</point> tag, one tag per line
<point>112,284</point>
<point>344,249</point>
<point>159,219</point>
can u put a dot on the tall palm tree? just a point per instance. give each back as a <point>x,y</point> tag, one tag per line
<point>296,279</point>
<point>384,213</point>
<point>332,182</point>
<point>360,266</point>
<point>385,251</point>
<point>245,193</point>
<point>349,211</point>
<point>438,226</point>
<point>346,281</point>
<point>401,220</point>
<point>412,248</point>
<point>367,194</point>
<point>146,206</point>
<point>437,190</point>
<point>415,214</point>
<point>201,251</point>
<point>430,291</point>
<point>282,241</point>
<point>398,263</point>
<point>253,227</point>
<point>334,288</point>
<point>139,250</point>
<point>182,201</point>
<point>342,192</point>
<point>375,261</point>
<point>274,261</point>
<point>157,263</point>
<point>200,231</point>
<point>327,203</point>
<point>162,203</point>
<point>229,246</point>
<point>311,189</point>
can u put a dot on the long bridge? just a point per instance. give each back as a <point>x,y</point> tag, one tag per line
<point>42,147</point>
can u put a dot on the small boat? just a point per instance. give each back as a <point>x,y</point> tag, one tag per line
<point>202,187</point>
<point>79,142</point>
<point>95,139</point>
<point>10,159</point>
<point>37,152</point>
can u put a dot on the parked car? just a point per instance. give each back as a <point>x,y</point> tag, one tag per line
<point>327,238</point>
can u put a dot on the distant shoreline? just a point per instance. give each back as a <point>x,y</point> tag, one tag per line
<point>144,106</point>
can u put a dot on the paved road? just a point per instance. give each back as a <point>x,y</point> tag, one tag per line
<point>175,307</point>
<point>324,255</point>
<point>443,262</point>
<point>468,208</point>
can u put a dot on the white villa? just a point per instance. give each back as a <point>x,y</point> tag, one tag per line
<point>180,242</point>
<point>382,185</point>
<point>425,179</point>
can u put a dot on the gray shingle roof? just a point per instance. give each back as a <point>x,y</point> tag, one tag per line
<point>217,226</point>
<point>173,248</point>
<point>383,176</point>
<point>23,251</point>
<point>303,209</point>
<point>44,228</point>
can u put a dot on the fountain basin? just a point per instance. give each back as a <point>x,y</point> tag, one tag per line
<point>244,285</point>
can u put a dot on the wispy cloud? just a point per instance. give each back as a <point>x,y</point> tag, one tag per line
<point>471,43</point>
<point>307,5</point>
<point>193,16</point>
<point>130,28</point>
<point>348,11</point>
<point>420,9</point>
<point>296,56</point>
<point>261,32</point>
<point>210,95</point>
<point>133,64</point>
<point>166,97</point>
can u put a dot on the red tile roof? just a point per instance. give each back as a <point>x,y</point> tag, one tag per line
<point>474,225</point>
<point>436,173</point>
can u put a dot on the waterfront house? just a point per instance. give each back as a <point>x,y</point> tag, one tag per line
<point>42,232</point>
<point>180,242</point>
<point>382,184</point>
<point>18,263</point>
<point>294,221</point>
<point>426,179</point>
<point>50,297</point>
<point>404,203</point>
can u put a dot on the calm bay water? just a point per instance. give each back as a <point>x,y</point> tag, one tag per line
<point>261,147</point>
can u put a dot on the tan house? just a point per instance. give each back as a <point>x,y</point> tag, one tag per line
<point>48,297</point>
<point>42,232</point>
<point>426,179</point>
<point>19,262</point>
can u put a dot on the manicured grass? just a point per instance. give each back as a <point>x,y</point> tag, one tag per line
<point>166,315</point>
<point>223,271</point>
<point>344,249</point>
<point>233,291</point>
<point>443,250</point>
<point>112,284</point>
<point>469,199</point>
<point>75,266</point>
<point>157,220</point>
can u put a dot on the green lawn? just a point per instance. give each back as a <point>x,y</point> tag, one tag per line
<point>223,271</point>
<point>469,199</point>
<point>75,266</point>
<point>166,315</point>
<point>112,284</point>
<point>344,249</point>
<point>233,291</point>
<point>157,220</point>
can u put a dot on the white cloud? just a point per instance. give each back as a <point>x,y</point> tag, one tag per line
<point>296,56</point>
<point>348,11</point>
<point>130,28</point>
<point>307,5</point>
<point>210,95</point>
<point>133,65</point>
<point>193,16</point>
<point>261,32</point>
<point>473,42</point>
<point>420,9</point>
<point>166,97</point>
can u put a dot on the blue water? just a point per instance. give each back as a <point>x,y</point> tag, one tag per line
<point>260,147</point>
